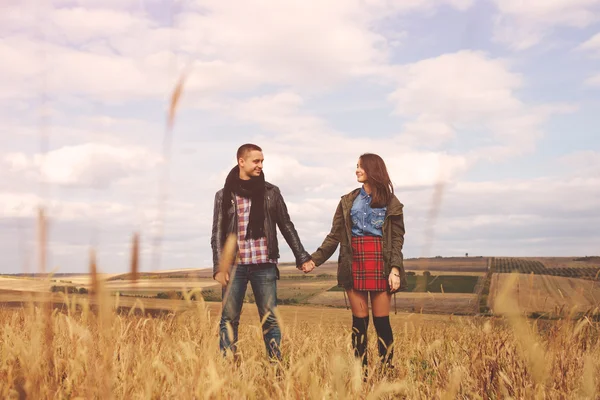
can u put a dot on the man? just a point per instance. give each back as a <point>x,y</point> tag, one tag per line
<point>251,208</point>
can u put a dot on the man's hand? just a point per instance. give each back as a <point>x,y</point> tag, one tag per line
<point>222,278</point>
<point>394,279</point>
<point>308,266</point>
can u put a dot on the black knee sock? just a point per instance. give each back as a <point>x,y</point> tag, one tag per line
<point>385,338</point>
<point>359,337</point>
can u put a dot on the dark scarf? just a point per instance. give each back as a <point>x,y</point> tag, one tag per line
<point>253,189</point>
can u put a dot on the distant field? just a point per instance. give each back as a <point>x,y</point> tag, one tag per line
<point>422,303</point>
<point>437,284</point>
<point>442,283</point>
<point>447,303</point>
<point>12,298</point>
<point>159,285</point>
<point>460,278</point>
<point>34,285</point>
<point>453,265</point>
<point>457,264</point>
<point>294,287</point>
<point>449,272</point>
<point>83,279</point>
<point>567,262</point>
<point>289,291</point>
<point>548,294</point>
<point>538,267</point>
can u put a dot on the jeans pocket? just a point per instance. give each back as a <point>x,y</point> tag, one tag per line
<point>267,274</point>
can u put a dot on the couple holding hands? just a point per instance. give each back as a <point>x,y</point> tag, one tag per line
<point>368,225</point>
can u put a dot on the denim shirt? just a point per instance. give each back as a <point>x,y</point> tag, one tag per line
<point>366,221</point>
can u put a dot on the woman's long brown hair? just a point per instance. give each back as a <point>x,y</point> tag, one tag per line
<point>378,178</point>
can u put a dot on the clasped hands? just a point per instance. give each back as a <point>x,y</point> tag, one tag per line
<point>308,266</point>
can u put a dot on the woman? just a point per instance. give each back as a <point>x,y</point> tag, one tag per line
<point>369,226</point>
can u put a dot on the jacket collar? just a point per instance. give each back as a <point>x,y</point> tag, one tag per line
<point>394,207</point>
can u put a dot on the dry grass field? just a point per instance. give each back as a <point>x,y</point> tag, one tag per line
<point>122,347</point>
<point>548,294</point>
<point>106,355</point>
<point>23,284</point>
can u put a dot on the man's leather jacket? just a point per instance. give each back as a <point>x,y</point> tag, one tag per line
<point>276,214</point>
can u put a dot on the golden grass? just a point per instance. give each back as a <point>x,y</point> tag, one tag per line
<point>546,294</point>
<point>33,285</point>
<point>176,356</point>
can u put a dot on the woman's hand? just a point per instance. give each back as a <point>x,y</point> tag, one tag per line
<point>308,266</point>
<point>394,279</point>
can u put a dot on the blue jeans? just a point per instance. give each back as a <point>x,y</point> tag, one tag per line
<point>263,278</point>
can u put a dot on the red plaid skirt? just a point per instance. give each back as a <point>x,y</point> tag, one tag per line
<point>367,264</point>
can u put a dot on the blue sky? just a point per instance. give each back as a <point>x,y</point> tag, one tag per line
<point>497,101</point>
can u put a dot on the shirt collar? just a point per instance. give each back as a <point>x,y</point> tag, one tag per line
<point>363,193</point>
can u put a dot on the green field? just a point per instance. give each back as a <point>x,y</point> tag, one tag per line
<point>436,284</point>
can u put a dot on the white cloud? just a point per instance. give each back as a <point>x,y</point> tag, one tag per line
<point>280,112</point>
<point>591,45</point>
<point>468,93</point>
<point>423,169</point>
<point>123,54</point>
<point>593,80</point>
<point>90,164</point>
<point>426,131</point>
<point>296,178</point>
<point>315,158</point>
<point>26,204</point>
<point>404,7</point>
<point>523,24</point>
<point>582,163</point>
<point>80,25</point>
<point>291,43</point>
<point>63,71</point>
<point>543,216</point>
<point>463,87</point>
<point>112,4</point>
<point>17,204</point>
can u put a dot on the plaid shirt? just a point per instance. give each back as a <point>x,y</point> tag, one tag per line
<point>251,251</point>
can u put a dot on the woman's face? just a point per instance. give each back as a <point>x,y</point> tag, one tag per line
<point>361,175</point>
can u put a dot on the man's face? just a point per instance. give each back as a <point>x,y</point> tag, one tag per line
<point>252,164</point>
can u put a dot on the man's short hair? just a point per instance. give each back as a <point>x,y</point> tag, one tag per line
<point>245,149</point>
